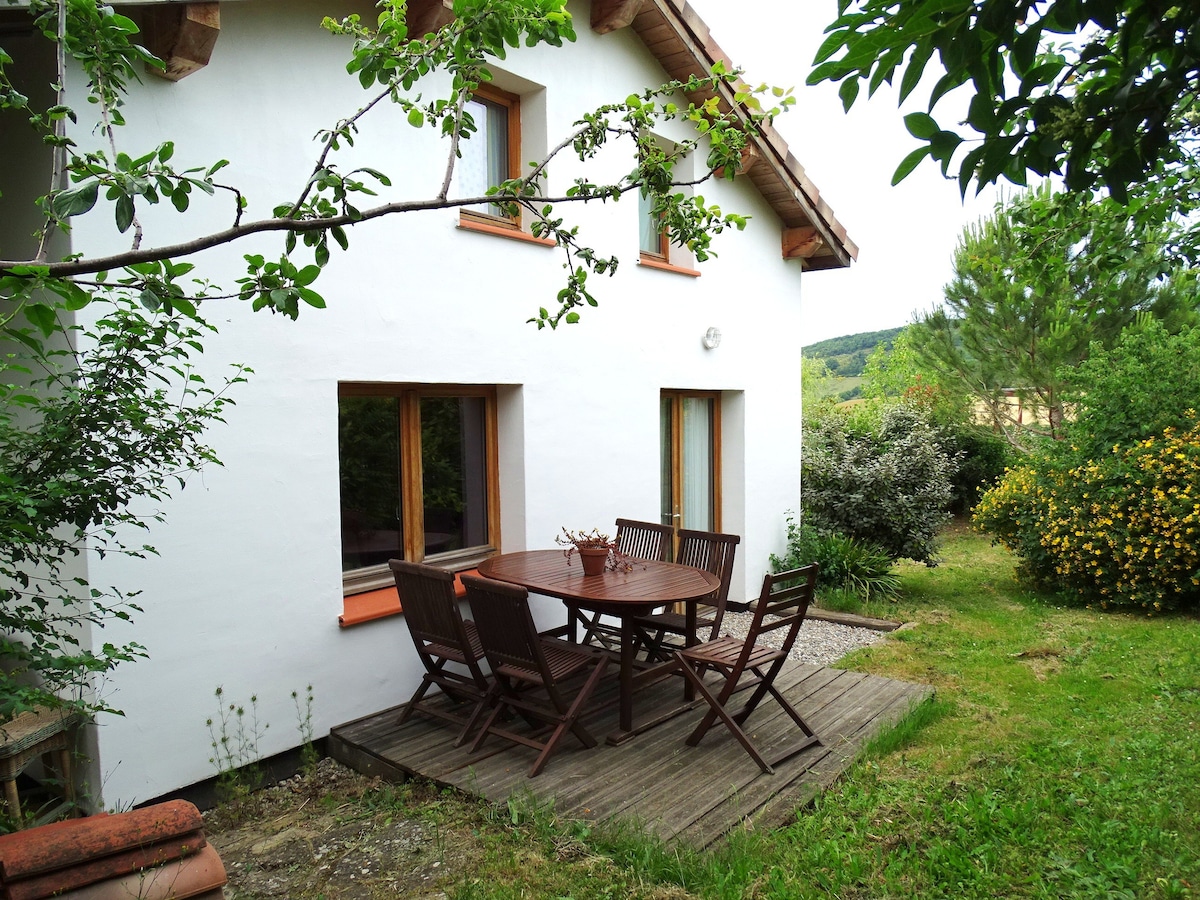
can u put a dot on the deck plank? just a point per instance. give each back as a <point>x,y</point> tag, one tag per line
<point>693,795</point>
<point>843,729</point>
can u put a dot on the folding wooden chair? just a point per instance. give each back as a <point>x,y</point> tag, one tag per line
<point>635,540</point>
<point>521,660</point>
<point>781,606</point>
<point>708,550</point>
<point>441,636</point>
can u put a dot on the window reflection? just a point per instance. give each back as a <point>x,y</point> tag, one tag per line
<point>369,465</point>
<point>454,469</point>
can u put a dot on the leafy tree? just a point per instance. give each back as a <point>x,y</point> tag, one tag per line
<point>1148,382</point>
<point>1102,92</point>
<point>815,377</point>
<point>1034,287</point>
<point>900,375</point>
<point>896,372</point>
<point>848,354</point>
<point>850,343</point>
<point>102,416</point>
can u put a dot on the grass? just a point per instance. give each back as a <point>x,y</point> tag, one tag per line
<point>1058,760</point>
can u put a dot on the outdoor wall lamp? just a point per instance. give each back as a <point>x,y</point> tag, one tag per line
<point>711,339</point>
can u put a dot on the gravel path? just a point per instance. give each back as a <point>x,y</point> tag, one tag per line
<point>818,643</point>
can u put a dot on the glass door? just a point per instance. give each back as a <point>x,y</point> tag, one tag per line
<point>690,458</point>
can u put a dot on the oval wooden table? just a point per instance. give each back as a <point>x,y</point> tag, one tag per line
<point>625,595</point>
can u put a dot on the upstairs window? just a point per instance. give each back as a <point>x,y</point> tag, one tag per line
<point>492,154</point>
<point>655,242</point>
<point>417,478</point>
<point>654,239</point>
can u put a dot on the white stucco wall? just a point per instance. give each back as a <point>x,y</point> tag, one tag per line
<point>247,587</point>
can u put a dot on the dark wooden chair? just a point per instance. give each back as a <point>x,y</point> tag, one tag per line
<point>523,660</point>
<point>441,636</point>
<point>745,665</point>
<point>661,634</point>
<point>636,540</point>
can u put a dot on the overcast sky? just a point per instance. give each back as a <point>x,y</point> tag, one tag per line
<point>906,234</point>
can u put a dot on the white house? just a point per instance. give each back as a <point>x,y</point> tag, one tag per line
<point>266,564</point>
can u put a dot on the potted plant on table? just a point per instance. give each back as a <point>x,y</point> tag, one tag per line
<point>596,551</point>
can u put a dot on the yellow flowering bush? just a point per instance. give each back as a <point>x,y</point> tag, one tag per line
<point>1121,531</point>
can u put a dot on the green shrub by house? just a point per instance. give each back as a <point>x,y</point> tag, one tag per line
<point>847,565</point>
<point>884,479</point>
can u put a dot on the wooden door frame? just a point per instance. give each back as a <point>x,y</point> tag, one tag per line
<point>676,397</point>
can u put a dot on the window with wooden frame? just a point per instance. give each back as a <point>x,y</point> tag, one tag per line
<point>690,429</point>
<point>655,241</point>
<point>417,476</point>
<point>654,238</point>
<point>492,154</point>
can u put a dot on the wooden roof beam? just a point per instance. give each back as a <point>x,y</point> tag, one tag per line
<point>748,159</point>
<point>803,242</point>
<point>182,35</point>
<point>611,15</point>
<point>427,16</point>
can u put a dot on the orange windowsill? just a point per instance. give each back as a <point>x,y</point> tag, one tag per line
<point>385,602</point>
<point>651,262</point>
<point>469,223</point>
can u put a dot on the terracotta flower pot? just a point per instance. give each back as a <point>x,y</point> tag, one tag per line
<point>593,559</point>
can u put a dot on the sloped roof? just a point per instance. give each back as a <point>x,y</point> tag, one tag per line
<point>682,43</point>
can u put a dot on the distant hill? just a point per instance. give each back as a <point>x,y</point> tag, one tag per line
<point>845,356</point>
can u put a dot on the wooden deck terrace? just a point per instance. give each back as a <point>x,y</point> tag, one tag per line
<point>693,795</point>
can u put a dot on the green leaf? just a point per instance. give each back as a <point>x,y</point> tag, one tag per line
<point>312,298</point>
<point>124,212</point>
<point>921,125</point>
<point>181,304</point>
<point>75,201</point>
<point>307,275</point>
<point>41,317</point>
<point>909,163</point>
<point>915,69</point>
<point>848,91</point>
<point>416,118</point>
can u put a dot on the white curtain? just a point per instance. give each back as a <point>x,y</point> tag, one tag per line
<point>697,463</point>
<point>649,226</point>
<point>484,162</point>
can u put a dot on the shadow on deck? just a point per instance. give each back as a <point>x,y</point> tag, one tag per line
<point>694,795</point>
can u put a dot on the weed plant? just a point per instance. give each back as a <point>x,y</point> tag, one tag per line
<point>309,756</point>
<point>235,735</point>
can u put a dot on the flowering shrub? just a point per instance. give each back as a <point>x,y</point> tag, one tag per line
<point>1122,530</point>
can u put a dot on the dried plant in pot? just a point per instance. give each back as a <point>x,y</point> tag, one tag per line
<point>595,549</point>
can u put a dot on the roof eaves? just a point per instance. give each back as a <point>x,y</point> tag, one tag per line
<point>779,176</point>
